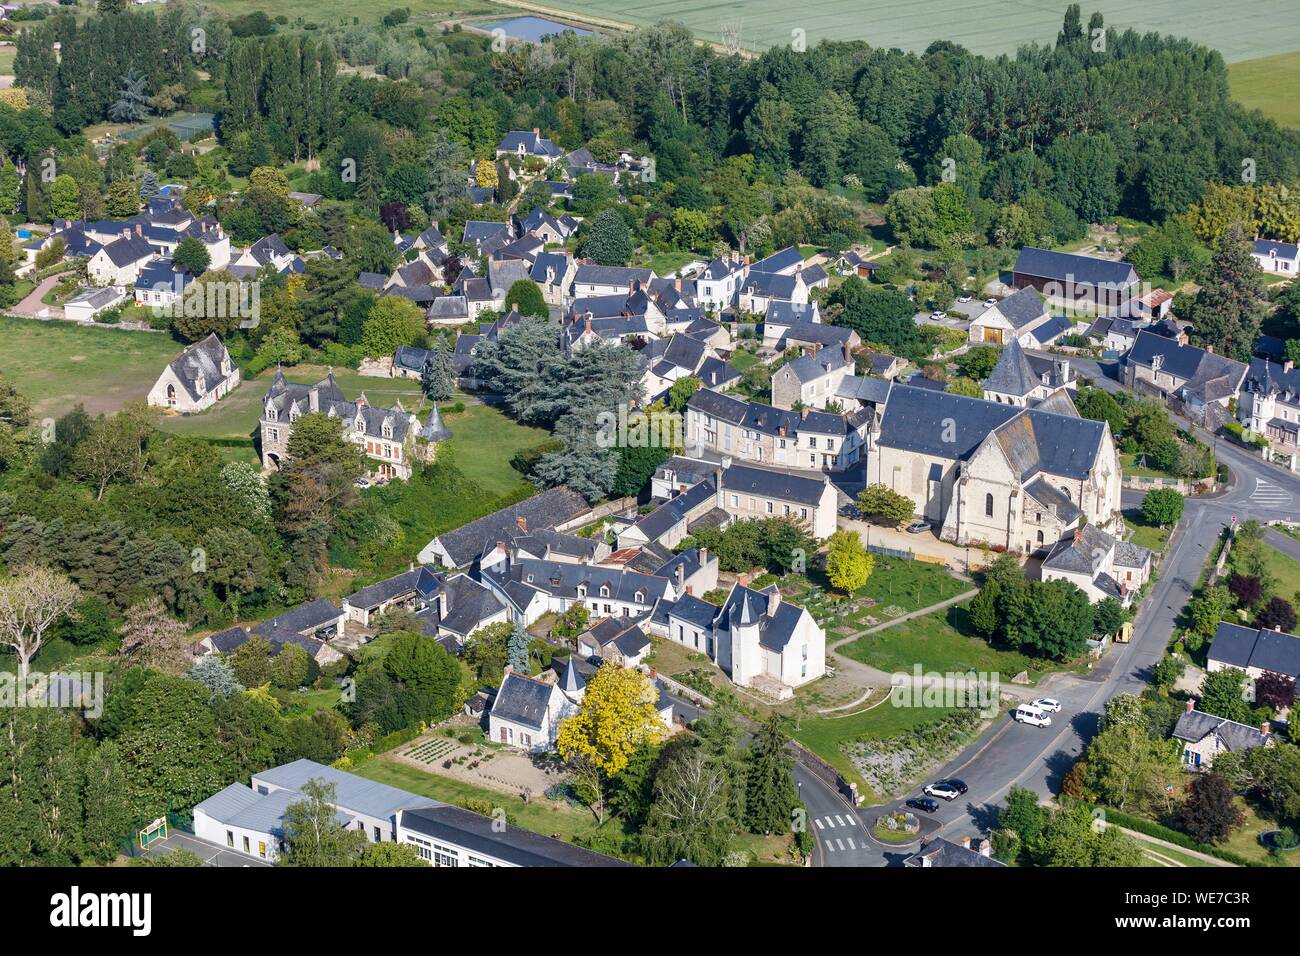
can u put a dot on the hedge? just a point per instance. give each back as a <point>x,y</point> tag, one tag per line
<point>1161,832</point>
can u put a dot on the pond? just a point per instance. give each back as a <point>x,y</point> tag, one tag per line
<point>531,28</point>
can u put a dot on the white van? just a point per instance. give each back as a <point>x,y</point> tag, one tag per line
<point>1029,714</point>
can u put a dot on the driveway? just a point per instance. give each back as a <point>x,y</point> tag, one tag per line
<point>31,306</point>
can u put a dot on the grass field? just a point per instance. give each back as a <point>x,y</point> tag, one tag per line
<point>58,364</point>
<point>938,646</point>
<point>1266,84</point>
<point>1287,571</point>
<point>484,440</point>
<point>367,11</point>
<point>1240,31</point>
<point>823,735</point>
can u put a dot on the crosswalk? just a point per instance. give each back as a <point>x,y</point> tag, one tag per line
<point>1269,495</point>
<point>837,833</point>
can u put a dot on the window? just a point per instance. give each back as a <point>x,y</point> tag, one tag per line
<point>988,505</point>
<point>1040,537</point>
<point>770,508</point>
<point>735,502</point>
<point>246,848</point>
<point>230,838</point>
<point>378,837</point>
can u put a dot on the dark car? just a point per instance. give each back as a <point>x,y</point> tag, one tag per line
<point>956,784</point>
<point>925,804</point>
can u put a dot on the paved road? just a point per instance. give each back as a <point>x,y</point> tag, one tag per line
<point>1010,753</point>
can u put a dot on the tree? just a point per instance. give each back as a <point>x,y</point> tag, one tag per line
<point>1126,767</point>
<point>393,321</point>
<point>153,638</point>
<point>390,853</point>
<point>116,448</point>
<point>691,817</point>
<point>1248,589</point>
<point>438,377</point>
<point>1277,614</point>
<point>251,661</point>
<point>1274,690</point>
<point>1223,694</point>
<point>1162,507</point>
<point>617,715</point>
<point>609,243</point>
<point>65,197</point>
<point>123,199</point>
<point>1107,616</point>
<point>879,500</point>
<point>132,103</point>
<point>517,649</point>
<point>290,667</point>
<point>191,256</point>
<point>32,599</point>
<point>681,392</point>
<point>1229,307</point>
<point>771,795</point>
<point>526,296</point>
<point>313,835</point>
<point>446,162</point>
<point>215,673</point>
<point>976,363</point>
<point>848,563</point>
<point>1210,813</point>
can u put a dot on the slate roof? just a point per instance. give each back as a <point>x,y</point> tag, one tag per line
<point>534,144</point>
<point>1194,365</point>
<point>770,285</point>
<point>941,852</point>
<point>1051,330</point>
<point>1033,440</point>
<point>807,368</point>
<point>781,312</point>
<point>372,280</point>
<point>745,606</point>
<point>434,429</point>
<point>1021,308</point>
<point>129,249</point>
<point>1068,266</point>
<point>388,589</point>
<point>203,358</point>
<point>1250,647</point>
<point>477,231</point>
<point>448,307</point>
<point>784,260</point>
<point>692,610</point>
<point>223,642</point>
<point>764,418</point>
<point>97,298</point>
<point>1045,493</point>
<point>522,700</point>
<point>685,471</point>
<point>1270,378</point>
<point>469,604</point>
<point>676,510</point>
<point>864,389</point>
<point>815,332</point>
<point>1012,375</point>
<point>769,483</point>
<point>563,579</point>
<point>310,616</point>
<point>160,272</point>
<point>1194,726</point>
<point>556,261</point>
<point>1270,248</point>
<point>545,509</point>
<point>591,274</point>
<point>479,834</point>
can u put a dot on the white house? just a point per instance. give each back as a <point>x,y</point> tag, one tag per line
<point>88,303</point>
<point>527,711</point>
<point>120,261</point>
<point>1257,652</point>
<point>1282,258</point>
<point>1100,564</point>
<point>197,378</point>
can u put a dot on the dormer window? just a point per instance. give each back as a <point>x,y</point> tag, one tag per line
<point>387,430</point>
<point>640,597</point>
<point>604,590</point>
<point>582,590</point>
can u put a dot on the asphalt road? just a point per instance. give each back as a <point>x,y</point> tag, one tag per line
<point>1009,753</point>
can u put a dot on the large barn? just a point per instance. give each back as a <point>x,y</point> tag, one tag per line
<point>1082,279</point>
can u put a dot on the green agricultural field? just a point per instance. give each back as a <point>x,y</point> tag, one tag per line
<point>1267,84</point>
<point>1240,31</point>
<point>342,12</point>
<point>58,364</point>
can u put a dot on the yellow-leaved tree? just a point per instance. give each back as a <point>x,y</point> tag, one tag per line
<point>848,563</point>
<point>617,715</point>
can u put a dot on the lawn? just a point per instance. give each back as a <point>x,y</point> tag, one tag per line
<point>896,587</point>
<point>933,642</point>
<point>1148,536</point>
<point>1163,856</point>
<point>58,364</point>
<point>367,11</point>
<point>484,440</point>
<point>743,359</point>
<point>1244,841</point>
<point>824,735</point>
<point>539,815</point>
<point>667,263</point>
<point>1286,570</point>
<point>1267,84</point>
<point>1248,28</point>
<point>7,53</point>
<point>1132,469</point>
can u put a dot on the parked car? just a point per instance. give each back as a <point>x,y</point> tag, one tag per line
<point>918,527</point>
<point>938,316</point>
<point>1049,704</point>
<point>924,804</point>
<point>960,785</point>
<point>989,303</point>
<point>963,299</point>
<point>1029,714</point>
<point>362,483</point>
<point>941,788</point>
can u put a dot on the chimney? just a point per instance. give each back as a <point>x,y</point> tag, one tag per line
<point>1288,365</point>
<point>537,131</point>
<point>442,604</point>
<point>410,565</point>
<point>742,580</point>
<point>1265,729</point>
<point>679,573</point>
<point>138,229</point>
<point>1191,706</point>
<point>1210,349</point>
<point>677,283</point>
<point>522,522</point>
<point>965,842</point>
<point>803,414</point>
<point>586,325</point>
<point>717,486</point>
<point>985,847</point>
<point>514,307</point>
<point>773,600</point>
<point>1078,535</point>
<point>509,669</point>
